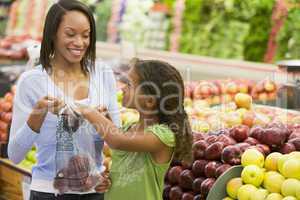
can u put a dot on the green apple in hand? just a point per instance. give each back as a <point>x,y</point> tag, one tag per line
<point>253,175</point>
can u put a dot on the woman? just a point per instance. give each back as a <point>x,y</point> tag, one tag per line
<point>67,72</point>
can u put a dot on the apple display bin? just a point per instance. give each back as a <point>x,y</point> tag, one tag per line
<point>218,191</point>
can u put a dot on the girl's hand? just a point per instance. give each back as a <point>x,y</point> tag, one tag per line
<point>50,104</point>
<point>105,183</point>
<point>103,110</point>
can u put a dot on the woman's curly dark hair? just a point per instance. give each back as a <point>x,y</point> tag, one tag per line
<point>160,76</point>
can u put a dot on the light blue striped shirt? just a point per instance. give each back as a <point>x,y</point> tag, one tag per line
<point>34,85</point>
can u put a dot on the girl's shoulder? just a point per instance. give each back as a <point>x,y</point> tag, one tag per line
<point>163,132</point>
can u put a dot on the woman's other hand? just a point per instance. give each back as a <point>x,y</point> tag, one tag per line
<point>105,183</point>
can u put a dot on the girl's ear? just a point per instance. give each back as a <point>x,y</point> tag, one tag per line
<point>151,102</point>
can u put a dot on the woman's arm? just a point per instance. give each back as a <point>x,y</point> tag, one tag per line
<point>131,141</point>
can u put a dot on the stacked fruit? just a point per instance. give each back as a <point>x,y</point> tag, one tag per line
<point>223,91</point>
<point>6,115</point>
<point>106,157</point>
<point>275,178</point>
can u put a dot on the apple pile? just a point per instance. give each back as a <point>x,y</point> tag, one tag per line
<point>6,115</point>
<point>223,91</point>
<point>275,178</point>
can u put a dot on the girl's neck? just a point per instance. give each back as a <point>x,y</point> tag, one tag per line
<point>147,120</point>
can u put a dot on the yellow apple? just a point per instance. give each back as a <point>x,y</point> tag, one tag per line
<point>233,186</point>
<point>260,194</point>
<point>271,161</point>
<point>253,175</point>
<point>281,160</point>
<point>245,192</point>
<point>274,196</point>
<point>298,194</point>
<point>243,100</point>
<point>273,182</point>
<point>291,168</point>
<point>295,154</point>
<point>290,186</point>
<point>252,157</point>
<point>227,198</point>
<point>289,198</point>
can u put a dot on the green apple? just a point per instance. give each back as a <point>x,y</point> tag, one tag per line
<point>273,182</point>
<point>289,198</point>
<point>291,168</point>
<point>281,161</point>
<point>274,196</point>
<point>233,186</point>
<point>253,174</point>
<point>245,192</point>
<point>271,161</point>
<point>252,157</point>
<point>31,156</point>
<point>290,186</point>
<point>260,194</point>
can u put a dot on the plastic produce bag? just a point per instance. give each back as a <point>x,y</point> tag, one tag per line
<point>75,154</point>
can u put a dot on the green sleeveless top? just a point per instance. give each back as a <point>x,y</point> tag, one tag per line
<point>135,175</point>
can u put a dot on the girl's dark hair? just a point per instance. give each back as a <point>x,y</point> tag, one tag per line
<point>160,76</point>
<point>53,20</point>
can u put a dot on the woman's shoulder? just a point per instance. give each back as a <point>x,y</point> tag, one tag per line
<point>36,73</point>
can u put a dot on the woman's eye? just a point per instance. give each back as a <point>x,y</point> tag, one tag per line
<point>70,34</point>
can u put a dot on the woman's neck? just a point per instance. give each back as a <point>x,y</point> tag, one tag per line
<point>60,65</point>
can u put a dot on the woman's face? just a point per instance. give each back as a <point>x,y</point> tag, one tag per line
<point>72,37</point>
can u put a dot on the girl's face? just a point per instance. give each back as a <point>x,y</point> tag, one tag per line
<point>130,92</point>
<point>72,37</point>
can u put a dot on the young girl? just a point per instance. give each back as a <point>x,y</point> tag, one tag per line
<point>143,151</point>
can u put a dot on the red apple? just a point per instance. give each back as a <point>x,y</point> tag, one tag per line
<point>251,141</point>
<point>243,146</point>
<point>167,189</point>
<point>265,149</point>
<point>198,136</point>
<point>287,148</point>
<point>197,184</point>
<point>207,185</point>
<point>223,168</point>
<point>296,143</point>
<point>199,148</point>
<point>174,175</point>
<point>210,168</point>
<point>295,134</point>
<point>198,167</point>
<point>239,133</point>
<point>257,132</point>
<point>211,139</point>
<point>232,155</point>
<point>186,179</point>
<point>213,151</point>
<point>186,165</point>
<point>188,196</point>
<point>226,140</point>
<point>273,137</point>
<point>175,193</point>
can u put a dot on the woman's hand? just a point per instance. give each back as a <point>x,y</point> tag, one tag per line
<point>42,107</point>
<point>105,183</point>
<point>48,104</point>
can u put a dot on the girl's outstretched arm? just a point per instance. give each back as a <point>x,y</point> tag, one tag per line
<point>116,139</point>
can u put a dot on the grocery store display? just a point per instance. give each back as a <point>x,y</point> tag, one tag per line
<point>6,115</point>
